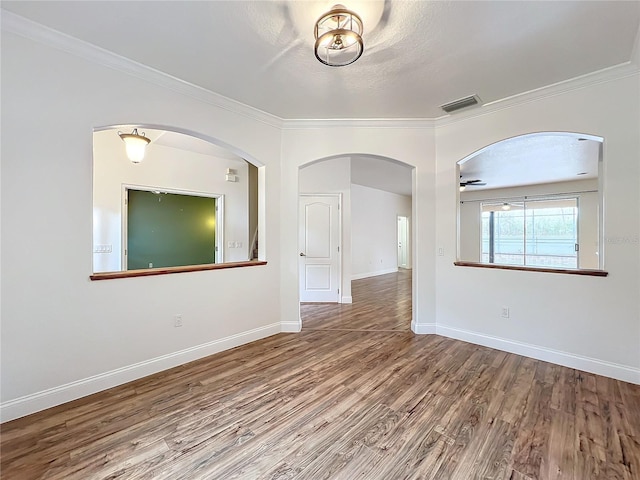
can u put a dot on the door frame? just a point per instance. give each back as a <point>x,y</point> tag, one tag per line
<point>341,250</point>
<point>219,227</point>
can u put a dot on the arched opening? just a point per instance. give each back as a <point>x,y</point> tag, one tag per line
<point>533,201</point>
<point>353,211</point>
<point>192,200</point>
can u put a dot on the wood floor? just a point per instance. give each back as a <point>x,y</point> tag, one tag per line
<point>381,303</point>
<point>340,404</point>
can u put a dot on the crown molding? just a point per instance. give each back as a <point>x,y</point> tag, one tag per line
<point>304,123</point>
<point>605,75</point>
<point>34,31</point>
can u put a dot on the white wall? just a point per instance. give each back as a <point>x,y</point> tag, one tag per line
<point>374,231</point>
<point>163,167</point>
<point>587,322</point>
<point>64,336</point>
<point>334,176</point>
<point>584,190</point>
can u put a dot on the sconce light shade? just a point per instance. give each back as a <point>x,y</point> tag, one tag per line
<point>136,144</point>
<point>338,37</point>
<point>506,206</point>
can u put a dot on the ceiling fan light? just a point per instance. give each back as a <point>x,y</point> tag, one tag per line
<point>135,144</point>
<point>338,36</point>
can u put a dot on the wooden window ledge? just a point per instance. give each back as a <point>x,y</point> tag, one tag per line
<point>570,271</point>
<point>147,272</point>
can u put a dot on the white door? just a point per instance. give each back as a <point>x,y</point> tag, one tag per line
<point>319,241</point>
<point>403,241</point>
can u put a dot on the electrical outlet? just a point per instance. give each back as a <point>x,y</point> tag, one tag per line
<point>177,321</point>
<point>505,312</point>
<point>441,252</point>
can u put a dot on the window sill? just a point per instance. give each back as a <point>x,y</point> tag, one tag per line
<point>570,271</point>
<point>147,272</point>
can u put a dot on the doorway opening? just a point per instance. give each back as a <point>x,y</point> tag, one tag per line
<point>404,242</point>
<point>171,228</point>
<point>370,285</point>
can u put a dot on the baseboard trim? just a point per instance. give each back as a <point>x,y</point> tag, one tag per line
<point>290,327</point>
<point>423,328</point>
<point>359,276</point>
<point>52,397</point>
<point>579,362</point>
<point>347,300</point>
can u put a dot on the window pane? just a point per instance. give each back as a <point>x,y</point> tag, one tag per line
<point>539,233</point>
<point>509,237</point>
<point>551,233</point>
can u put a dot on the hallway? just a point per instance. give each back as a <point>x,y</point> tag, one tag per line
<point>381,303</point>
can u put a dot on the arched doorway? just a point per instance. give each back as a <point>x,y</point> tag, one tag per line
<point>359,197</point>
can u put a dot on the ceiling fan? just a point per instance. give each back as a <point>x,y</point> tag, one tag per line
<point>471,183</point>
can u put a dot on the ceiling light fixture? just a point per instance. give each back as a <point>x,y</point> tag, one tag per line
<point>338,37</point>
<point>506,206</point>
<point>135,144</point>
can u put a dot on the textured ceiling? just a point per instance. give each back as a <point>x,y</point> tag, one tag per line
<point>533,159</point>
<point>418,54</point>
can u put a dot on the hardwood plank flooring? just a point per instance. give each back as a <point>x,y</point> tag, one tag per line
<point>381,303</point>
<point>375,404</point>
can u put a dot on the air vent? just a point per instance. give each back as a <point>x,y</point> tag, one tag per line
<point>461,103</point>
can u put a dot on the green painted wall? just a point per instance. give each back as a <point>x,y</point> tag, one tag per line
<point>168,230</point>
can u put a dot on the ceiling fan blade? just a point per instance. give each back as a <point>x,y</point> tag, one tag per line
<point>472,184</point>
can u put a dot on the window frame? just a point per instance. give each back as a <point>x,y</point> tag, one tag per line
<point>489,203</point>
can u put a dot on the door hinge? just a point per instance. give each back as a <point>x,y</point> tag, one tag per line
<point>338,291</point>
<point>338,247</point>
<point>577,247</point>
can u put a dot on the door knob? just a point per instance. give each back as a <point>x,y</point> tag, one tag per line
<point>302,254</point>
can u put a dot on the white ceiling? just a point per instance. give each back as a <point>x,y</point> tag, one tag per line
<point>381,174</point>
<point>418,54</point>
<point>531,160</point>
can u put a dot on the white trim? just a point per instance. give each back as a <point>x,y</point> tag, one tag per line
<point>423,328</point>
<point>403,123</point>
<point>579,362</point>
<point>605,75</point>
<point>346,300</point>
<point>359,276</point>
<point>29,29</point>
<point>71,391</point>
<point>290,327</point>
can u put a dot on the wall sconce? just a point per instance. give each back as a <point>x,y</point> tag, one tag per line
<point>136,144</point>
<point>506,206</point>
<point>338,37</point>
